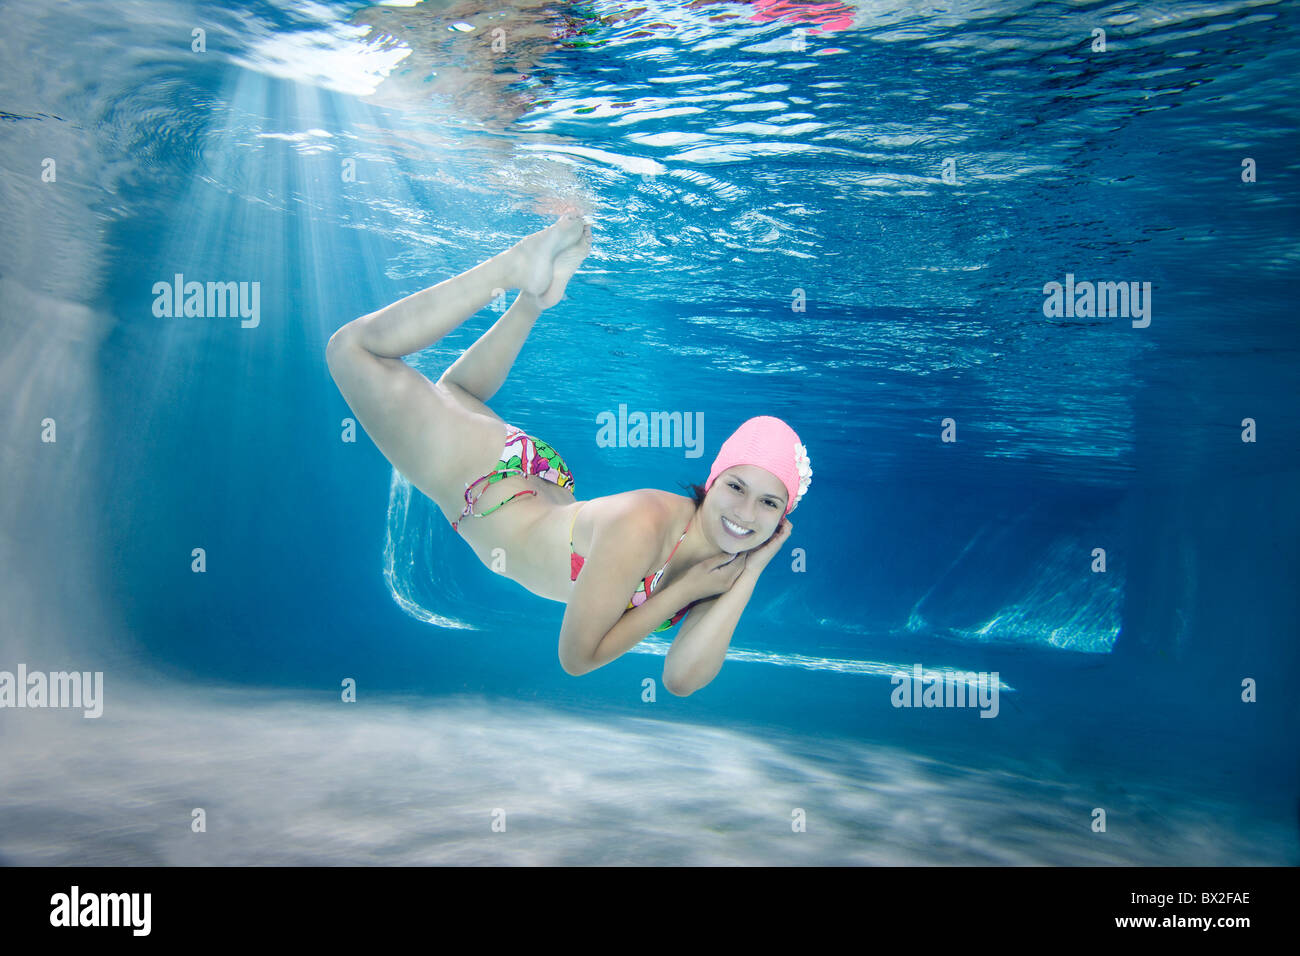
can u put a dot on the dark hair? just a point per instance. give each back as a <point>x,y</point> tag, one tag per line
<point>696,490</point>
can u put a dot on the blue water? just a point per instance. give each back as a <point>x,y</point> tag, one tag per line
<point>343,156</point>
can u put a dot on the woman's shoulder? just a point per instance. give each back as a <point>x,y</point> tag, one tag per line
<point>649,509</point>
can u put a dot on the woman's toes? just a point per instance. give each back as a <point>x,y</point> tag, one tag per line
<point>539,255</point>
<point>568,229</point>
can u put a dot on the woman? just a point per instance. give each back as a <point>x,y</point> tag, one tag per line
<point>669,552</point>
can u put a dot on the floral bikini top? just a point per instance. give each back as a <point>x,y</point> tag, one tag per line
<point>643,590</point>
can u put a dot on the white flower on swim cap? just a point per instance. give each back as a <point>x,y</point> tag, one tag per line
<point>805,470</point>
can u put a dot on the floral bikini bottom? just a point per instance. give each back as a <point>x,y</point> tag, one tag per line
<point>522,455</point>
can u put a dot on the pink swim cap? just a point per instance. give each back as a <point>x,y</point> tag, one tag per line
<point>772,445</point>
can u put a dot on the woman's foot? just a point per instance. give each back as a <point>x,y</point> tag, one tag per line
<point>565,265</point>
<point>538,257</point>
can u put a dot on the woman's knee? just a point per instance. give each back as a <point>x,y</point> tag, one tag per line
<point>343,347</point>
<point>463,397</point>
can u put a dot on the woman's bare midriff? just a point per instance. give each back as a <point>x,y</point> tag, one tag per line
<point>532,532</point>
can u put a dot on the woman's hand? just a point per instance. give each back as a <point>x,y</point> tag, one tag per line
<point>714,575</point>
<point>757,559</point>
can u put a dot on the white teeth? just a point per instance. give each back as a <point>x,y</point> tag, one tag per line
<point>738,529</point>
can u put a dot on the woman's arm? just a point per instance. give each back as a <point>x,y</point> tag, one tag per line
<point>598,626</point>
<point>638,623</point>
<point>701,647</point>
<point>699,650</point>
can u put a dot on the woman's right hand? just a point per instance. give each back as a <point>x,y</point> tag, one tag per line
<point>714,575</point>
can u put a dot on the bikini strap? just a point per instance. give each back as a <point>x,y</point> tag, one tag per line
<point>679,541</point>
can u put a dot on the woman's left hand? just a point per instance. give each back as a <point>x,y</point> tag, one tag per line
<point>758,558</point>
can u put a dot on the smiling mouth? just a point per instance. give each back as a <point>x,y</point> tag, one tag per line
<point>735,529</point>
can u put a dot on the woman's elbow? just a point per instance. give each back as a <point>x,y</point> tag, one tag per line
<point>680,685</point>
<point>575,665</point>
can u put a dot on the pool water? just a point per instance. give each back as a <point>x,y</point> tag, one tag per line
<point>847,216</point>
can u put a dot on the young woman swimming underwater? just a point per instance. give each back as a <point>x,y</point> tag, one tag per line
<point>626,565</point>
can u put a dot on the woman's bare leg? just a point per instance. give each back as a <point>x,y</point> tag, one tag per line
<point>425,428</point>
<point>482,370</point>
<point>421,319</point>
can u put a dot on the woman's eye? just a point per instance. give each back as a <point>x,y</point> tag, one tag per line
<point>769,502</point>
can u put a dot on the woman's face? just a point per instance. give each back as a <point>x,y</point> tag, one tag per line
<point>743,497</point>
